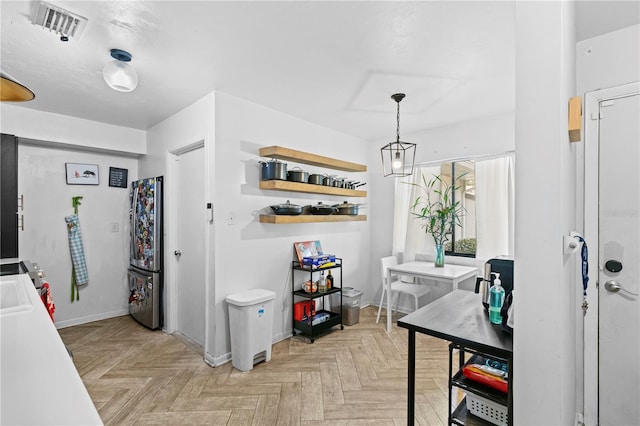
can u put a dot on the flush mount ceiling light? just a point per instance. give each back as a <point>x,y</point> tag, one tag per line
<point>398,157</point>
<point>119,74</point>
<point>12,91</point>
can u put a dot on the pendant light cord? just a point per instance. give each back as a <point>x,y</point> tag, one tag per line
<point>398,124</point>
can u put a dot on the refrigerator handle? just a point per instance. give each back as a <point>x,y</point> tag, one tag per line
<point>147,278</point>
<point>134,214</point>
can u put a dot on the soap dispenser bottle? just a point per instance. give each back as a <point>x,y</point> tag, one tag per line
<point>496,299</point>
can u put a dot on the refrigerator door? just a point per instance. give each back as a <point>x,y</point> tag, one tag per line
<point>146,224</point>
<point>144,298</point>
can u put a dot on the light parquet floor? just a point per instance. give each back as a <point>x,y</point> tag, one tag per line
<point>357,376</point>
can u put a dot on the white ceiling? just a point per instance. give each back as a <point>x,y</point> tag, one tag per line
<point>332,63</point>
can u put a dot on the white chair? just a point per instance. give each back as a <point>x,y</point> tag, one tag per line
<point>398,286</point>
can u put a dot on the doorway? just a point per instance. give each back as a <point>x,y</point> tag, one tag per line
<point>612,224</point>
<point>188,250</point>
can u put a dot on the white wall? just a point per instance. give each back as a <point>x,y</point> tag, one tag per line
<point>489,135</point>
<point>545,290</point>
<point>70,131</point>
<point>47,141</point>
<point>254,255</point>
<point>249,254</point>
<point>609,60</point>
<point>192,125</point>
<point>41,178</point>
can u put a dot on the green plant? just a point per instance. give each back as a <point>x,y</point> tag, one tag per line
<point>440,215</point>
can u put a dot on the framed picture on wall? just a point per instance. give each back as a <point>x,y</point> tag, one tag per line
<point>82,174</point>
<point>118,177</point>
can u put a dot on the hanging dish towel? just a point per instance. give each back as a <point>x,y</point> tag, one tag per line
<point>77,252</point>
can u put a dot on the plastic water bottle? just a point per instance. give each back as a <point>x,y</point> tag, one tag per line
<point>496,299</point>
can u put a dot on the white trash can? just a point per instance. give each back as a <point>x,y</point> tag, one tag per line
<point>250,326</point>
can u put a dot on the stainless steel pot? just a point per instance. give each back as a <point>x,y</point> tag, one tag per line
<point>347,208</point>
<point>296,174</point>
<point>273,169</point>
<point>315,179</point>
<point>287,209</point>
<point>338,182</point>
<point>328,180</point>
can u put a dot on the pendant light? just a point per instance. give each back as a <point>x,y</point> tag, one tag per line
<point>398,157</point>
<point>119,74</point>
<point>12,91</point>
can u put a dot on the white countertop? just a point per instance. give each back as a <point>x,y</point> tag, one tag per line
<point>39,385</point>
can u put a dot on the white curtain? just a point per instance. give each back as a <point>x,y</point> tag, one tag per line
<point>494,210</point>
<point>408,235</point>
<point>495,206</point>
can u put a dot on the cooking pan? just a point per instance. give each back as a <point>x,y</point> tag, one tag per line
<point>296,174</point>
<point>328,180</point>
<point>273,169</point>
<point>315,179</point>
<point>338,182</point>
<point>347,208</point>
<point>320,208</point>
<point>287,209</point>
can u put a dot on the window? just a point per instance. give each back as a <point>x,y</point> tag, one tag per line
<point>486,191</point>
<point>463,240</point>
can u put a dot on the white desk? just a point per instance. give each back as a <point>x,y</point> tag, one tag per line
<point>448,273</point>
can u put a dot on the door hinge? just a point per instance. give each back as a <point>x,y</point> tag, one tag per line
<point>596,115</point>
<point>607,103</point>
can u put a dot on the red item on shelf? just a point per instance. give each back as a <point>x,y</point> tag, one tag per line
<point>472,372</point>
<point>304,310</point>
<point>45,295</point>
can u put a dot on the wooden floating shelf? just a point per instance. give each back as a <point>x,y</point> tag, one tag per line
<point>285,185</point>
<point>308,218</point>
<point>311,159</point>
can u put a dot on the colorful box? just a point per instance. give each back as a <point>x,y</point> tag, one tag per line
<point>318,261</point>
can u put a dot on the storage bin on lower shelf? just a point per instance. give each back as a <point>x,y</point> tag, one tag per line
<point>487,409</point>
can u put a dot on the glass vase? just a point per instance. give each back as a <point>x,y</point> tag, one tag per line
<point>439,260</point>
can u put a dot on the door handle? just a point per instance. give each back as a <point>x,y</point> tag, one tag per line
<point>613,286</point>
<point>178,253</point>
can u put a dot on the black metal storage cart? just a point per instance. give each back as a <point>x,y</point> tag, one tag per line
<point>306,326</point>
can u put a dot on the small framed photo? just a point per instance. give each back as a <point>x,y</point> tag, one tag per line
<point>82,174</point>
<point>118,177</point>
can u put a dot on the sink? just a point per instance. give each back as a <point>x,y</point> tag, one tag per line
<point>13,294</point>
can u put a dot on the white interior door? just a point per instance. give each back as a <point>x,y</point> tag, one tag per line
<point>619,262</point>
<point>190,252</point>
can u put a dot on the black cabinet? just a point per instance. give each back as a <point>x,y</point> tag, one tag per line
<point>489,405</point>
<point>327,314</point>
<point>9,197</point>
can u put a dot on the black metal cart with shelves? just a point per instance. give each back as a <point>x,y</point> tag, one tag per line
<point>459,317</point>
<point>461,414</point>
<point>306,327</point>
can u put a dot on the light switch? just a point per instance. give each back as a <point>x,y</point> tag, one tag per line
<point>115,227</point>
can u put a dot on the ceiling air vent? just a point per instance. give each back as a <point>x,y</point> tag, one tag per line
<point>59,20</point>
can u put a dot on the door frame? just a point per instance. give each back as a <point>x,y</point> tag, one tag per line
<point>591,174</point>
<point>171,234</point>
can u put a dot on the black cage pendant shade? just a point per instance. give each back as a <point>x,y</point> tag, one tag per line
<point>398,157</point>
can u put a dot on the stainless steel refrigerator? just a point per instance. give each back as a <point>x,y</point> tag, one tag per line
<point>146,252</point>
